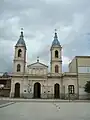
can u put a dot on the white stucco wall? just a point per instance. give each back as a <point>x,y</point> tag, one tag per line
<point>69,81</point>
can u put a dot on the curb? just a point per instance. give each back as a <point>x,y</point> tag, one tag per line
<point>6,104</point>
<point>44,100</point>
<point>49,101</point>
<point>55,101</point>
<point>38,101</point>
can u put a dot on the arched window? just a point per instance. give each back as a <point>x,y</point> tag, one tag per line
<point>56,69</point>
<point>18,68</point>
<point>19,53</point>
<point>56,54</point>
<point>71,89</point>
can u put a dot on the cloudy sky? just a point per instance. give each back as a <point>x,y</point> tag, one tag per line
<point>39,18</point>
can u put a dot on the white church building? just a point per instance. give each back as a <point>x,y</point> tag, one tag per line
<point>34,80</point>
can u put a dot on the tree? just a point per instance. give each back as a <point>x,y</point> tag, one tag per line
<point>87,87</point>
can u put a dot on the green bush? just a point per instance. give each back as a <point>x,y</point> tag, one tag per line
<point>87,87</point>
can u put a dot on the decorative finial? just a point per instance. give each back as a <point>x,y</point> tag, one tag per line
<point>21,32</point>
<point>37,58</point>
<point>21,29</point>
<point>55,33</point>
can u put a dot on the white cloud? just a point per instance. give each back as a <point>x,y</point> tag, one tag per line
<point>39,18</point>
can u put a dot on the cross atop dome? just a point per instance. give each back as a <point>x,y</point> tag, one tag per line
<point>55,30</point>
<point>21,33</point>
<point>37,58</point>
<point>55,34</point>
<point>21,29</point>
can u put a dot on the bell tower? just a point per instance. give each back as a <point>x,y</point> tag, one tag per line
<point>20,55</point>
<point>56,56</point>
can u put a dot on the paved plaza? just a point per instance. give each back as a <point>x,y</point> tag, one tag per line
<point>46,111</point>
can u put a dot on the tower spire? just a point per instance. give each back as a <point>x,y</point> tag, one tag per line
<point>21,39</point>
<point>55,41</point>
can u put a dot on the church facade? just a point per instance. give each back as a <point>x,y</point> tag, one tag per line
<point>34,80</point>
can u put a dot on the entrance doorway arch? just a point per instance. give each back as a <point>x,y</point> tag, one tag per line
<point>17,90</point>
<point>57,91</point>
<point>37,90</point>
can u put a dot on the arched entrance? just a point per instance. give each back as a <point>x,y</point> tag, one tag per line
<point>17,90</point>
<point>56,91</point>
<point>37,90</point>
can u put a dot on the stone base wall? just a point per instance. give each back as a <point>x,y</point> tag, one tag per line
<point>12,95</point>
<point>84,96</point>
<point>4,92</point>
<point>27,95</point>
<point>71,96</point>
<point>51,96</point>
<point>44,96</point>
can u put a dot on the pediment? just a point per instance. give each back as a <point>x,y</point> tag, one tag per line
<point>37,64</point>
